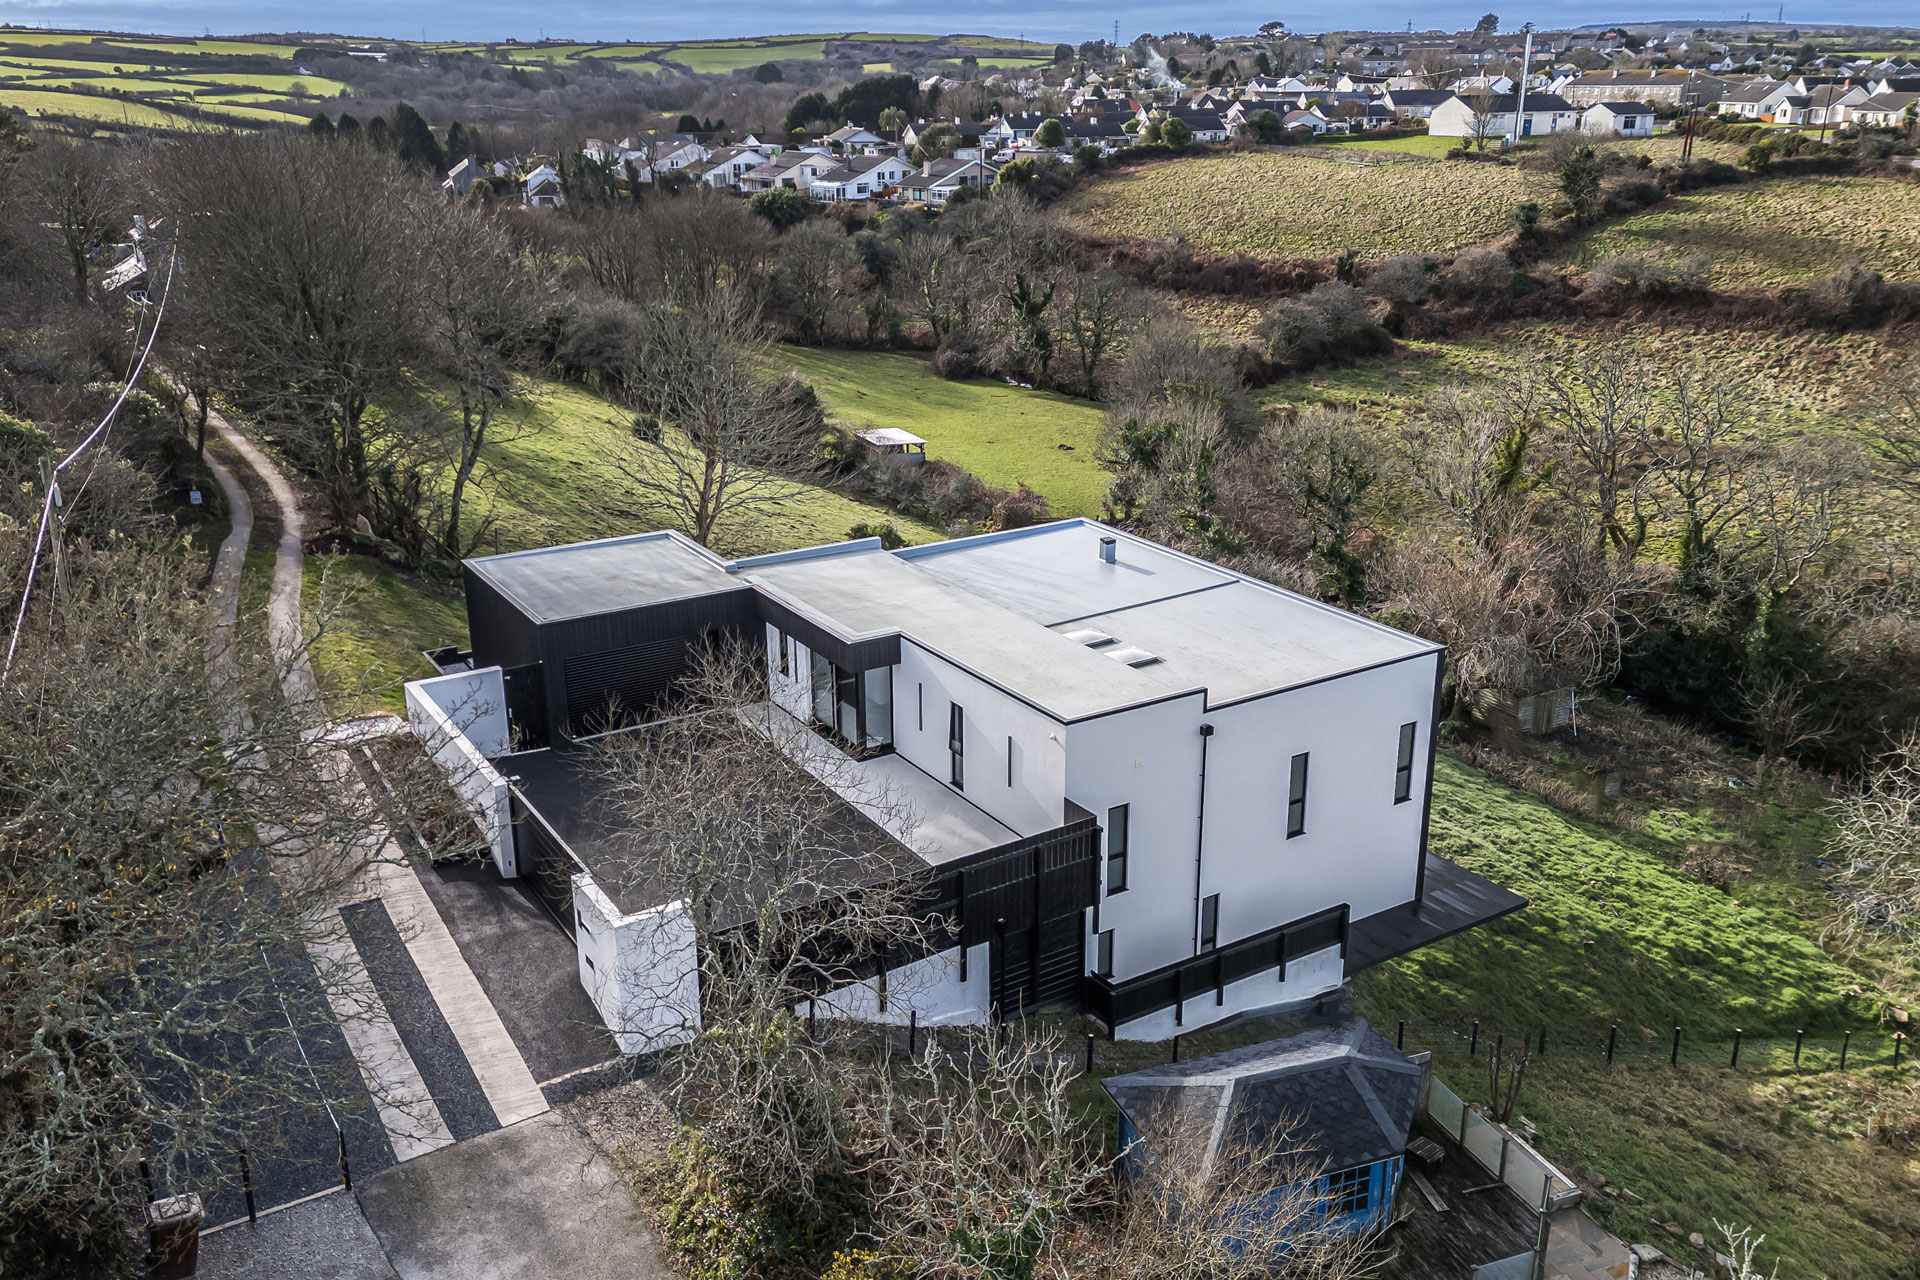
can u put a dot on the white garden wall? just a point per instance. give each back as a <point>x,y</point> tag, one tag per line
<point>642,970</point>
<point>461,719</point>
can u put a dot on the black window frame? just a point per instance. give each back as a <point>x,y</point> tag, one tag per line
<point>786,659</point>
<point>1119,837</point>
<point>1103,953</point>
<point>957,744</point>
<point>843,684</point>
<point>1297,795</point>
<point>1210,922</point>
<point>1403,763</point>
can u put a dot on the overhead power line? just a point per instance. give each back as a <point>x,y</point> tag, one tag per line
<point>46,505</point>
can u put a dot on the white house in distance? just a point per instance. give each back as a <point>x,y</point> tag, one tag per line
<point>1143,786</point>
<point>860,178</point>
<point>542,189</point>
<point>1543,113</point>
<point>1618,119</point>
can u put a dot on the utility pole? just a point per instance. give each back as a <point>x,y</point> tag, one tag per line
<point>1520,100</point>
<point>56,529</point>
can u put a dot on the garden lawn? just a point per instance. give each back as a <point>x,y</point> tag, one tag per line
<point>1763,235</point>
<point>1612,933</point>
<point>1006,435</point>
<point>367,624</point>
<point>1311,202</point>
<point>559,482</point>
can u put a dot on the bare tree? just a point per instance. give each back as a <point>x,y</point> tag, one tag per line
<point>1485,124</point>
<point>1093,317</point>
<point>715,439</point>
<point>483,306</point>
<point>1470,459</point>
<point>935,282</point>
<point>1597,416</point>
<point>305,260</point>
<point>169,854</point>
<point>80,189</point>
<point>1875,845</point>
<point>734,808</point>
<point>978,1159</point>
<point>1201,1201</point>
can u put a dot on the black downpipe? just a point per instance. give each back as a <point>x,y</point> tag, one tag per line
<point>1200,836</point>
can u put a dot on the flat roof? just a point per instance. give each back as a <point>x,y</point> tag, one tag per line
<point>582,579</point>
<point>1001,605</point>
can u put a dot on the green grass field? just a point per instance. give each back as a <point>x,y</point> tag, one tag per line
<point>1310,202</point>
<point>559,482</point>
<point>1615,933</point>
<point>1003,434</point>
<point>1418,145</point>
<point>93,107</point>
<point>1765,235</point>
<point>1808,378</point>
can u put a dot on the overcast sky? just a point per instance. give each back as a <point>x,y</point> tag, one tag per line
<point>597,20</point>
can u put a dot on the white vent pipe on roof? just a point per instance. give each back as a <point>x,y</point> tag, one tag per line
<point>1108,547</point>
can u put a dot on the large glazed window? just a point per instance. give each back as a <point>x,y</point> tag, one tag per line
<point>854,708</point>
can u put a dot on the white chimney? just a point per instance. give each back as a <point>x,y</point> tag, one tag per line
<point>1108,547</point>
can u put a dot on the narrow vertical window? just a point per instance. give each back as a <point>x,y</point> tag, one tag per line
<point>1209,922</point>
<point>1009,762</point>
<point>1403,766</point>
<point>1103,953</point>
<point>1117,849</point>
<point>786,665</point>
<point>957,743</point>
<point>1297,797</point>
<point>920,708</point>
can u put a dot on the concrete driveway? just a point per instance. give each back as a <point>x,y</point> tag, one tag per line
<point>532,1201</point>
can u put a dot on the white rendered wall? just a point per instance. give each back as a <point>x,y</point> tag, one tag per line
<point>1359,847</point>
<point>1149,760</point>
<point>1307,978</point>
<point>926,685</point>
<point>642,971</point>
<point>440,712</point>
<point>931,988</point>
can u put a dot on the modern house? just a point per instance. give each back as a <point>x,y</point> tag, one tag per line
<point>1543,113</point>
<point>1338,1102</point>
<point>1143,785</point>
<point>1618,119</point>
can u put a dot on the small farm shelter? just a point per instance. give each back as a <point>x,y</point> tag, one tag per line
<point>895,441</point>
<point>1341,1098</point>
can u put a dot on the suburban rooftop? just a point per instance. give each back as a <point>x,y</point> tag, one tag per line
<point>1038,611</point>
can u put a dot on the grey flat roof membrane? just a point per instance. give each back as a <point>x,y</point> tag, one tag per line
<point>587,578</point>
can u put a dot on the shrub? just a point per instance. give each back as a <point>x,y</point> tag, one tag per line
<point>1482,269</point>
<point>1176,134</point>
<point>726,1225</point>
<point>1405,280</point>
<point>1851,298</point>
<point>782,206</point>
<point>1330,325</point>
<point>959,356</point>
<point>1636,274</point>
<point>1758,158</point>
<point>890,538</point>
<point>943,493</point>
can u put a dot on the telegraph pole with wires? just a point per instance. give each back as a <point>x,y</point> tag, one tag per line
<point>1520,99</point>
